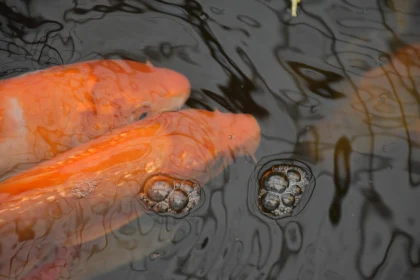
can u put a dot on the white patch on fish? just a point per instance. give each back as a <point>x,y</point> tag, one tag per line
<point>14,119</point>
<point>17,112</point>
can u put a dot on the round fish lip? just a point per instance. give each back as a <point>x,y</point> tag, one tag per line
<point>284,196</point>
<point>165,194</point>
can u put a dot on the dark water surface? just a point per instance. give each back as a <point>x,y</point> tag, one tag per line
<point>298,77</point>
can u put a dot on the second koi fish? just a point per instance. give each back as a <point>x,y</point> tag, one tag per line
<point>50,111</point>
<point>92,189</point>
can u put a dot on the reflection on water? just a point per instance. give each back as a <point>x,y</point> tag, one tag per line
<point>337,86</point>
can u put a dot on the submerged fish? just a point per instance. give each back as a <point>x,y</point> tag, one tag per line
<point>389,95</point>
<point>92,189</point>
<point>134,244</point>
<point>386,102</point>
<point>50,111</point>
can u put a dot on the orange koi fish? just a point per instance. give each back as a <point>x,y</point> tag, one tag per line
<point>50,111</point>
<point>389,95</point>
<point>90,190</point>
<point>386,102</point>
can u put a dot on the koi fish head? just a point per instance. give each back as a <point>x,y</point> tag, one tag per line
<point>169,90</point>
<point>135,90</point>
<point>204,142</point>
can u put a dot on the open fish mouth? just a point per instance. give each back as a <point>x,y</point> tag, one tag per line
<point>176,104</point>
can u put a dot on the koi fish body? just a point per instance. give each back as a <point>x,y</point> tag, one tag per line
<point>389,95</point>
<point>94,188</point>
<point>50,111</point>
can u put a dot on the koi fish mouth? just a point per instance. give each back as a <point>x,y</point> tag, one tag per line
<point>149,110</point>
<point>176,104</point>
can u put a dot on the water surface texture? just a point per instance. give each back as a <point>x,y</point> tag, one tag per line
<point>300,78</point>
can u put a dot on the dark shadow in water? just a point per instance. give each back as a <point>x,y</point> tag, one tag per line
<point>342,177</point>
<point>317,80</point>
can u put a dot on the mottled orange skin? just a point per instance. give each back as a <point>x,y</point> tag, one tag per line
<point>389,95</point>
<point>39,209</point>
<point>387,102</point>
<point>50,111</point>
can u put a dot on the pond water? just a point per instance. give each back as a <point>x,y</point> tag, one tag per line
<point>301,78</point>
